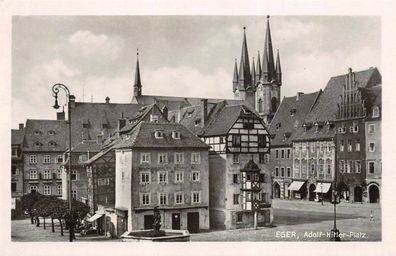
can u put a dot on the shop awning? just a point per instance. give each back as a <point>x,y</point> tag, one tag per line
<point>322,187</point>
<point>296,185</point>
<point>95,217</point>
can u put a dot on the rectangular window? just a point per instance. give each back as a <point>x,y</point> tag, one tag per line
<point>357,146</point>
<point>179,198</point>
<point>32,159</point>
<point>163,198</point>
<point>261,158</point>
<point>288,172</point>
<point>74,194</point>
<point>371,167</point>
<point>47,190</point>
<point>13,186</point>
<point>282,153</point>
<point>349,145</point>
<point>282,171</point>
<point>239,216</point>
<point>59,172</point>
<point>235,158</point>
<point>33,189</point>
<point>195,176</point>
<point>288,154</point>
<point>145,158</point>
<point>14,170</point>
<point>196,197</point>
<point>276,154</point>
<point>47,159</point>
<point>235,178</point>
<point>236,198</point>
<point>145,177</point>
<point>33,175</point>
<point>73,175</point>
<point>179,158</point>
<point>162,158</point>
<point>59,159</point>
<point>162,177</point>
<point>328,167</point>
<point>349,166</point>
<point>195,158</point>
<point>103,181</point>
<point>159,134</point>
<point>145,198</point>
<point>176,135</point>
<point>276,171</point>
<point>262,177</point>
<point>358,166</point>
<point>154,118</point>
<point>236,140</point>
<point>312,147</point>
<point>371,147</point>
<point>341,167</point>
<point>262,140</point>
<point>47,174</point>
<point>341,145</point>
<point>371,128</point>
<point>355,127</point>
<point>59,189</point>
<point>179,177</point>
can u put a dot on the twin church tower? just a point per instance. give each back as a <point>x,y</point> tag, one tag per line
<point>259,84</point>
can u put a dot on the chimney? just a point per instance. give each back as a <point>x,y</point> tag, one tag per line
<point>60,116</point>
<point>21,126</point>
<point>72,101</point>
<point>107,99</point>
<point>204,112</point>
<point>299,95</point>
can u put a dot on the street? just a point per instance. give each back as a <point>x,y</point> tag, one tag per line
<point>293,221</point>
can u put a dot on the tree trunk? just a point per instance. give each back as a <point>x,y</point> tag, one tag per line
<point>53,226</point>
<point>37,221</point>
<point>31,219</point>
<point>44,222</point>
<point>61,226</point>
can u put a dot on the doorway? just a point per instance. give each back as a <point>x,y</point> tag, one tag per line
<point>148,221</point>
<point>276,190</point>
<point>193,222</point>
<point>358,194</point>
<point>176,221</point>
<point>312,188</point>
<point>374,195</point>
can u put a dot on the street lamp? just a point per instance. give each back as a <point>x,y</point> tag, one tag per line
<point>55,91</point>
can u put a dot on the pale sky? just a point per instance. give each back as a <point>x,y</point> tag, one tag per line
<point>179,55</point>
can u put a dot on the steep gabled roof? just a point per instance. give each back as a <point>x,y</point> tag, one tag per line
<point>326,108</point>
<point>45,135</point>
<point>143,136</point>
<point>290,117</point>
<point>17,136</point>
<point>87,146</point>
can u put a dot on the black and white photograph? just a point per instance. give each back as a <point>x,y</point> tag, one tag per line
<point>176,127</point>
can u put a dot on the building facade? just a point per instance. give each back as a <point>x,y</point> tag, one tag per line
<point>17,170</point>
<point>166,166</point>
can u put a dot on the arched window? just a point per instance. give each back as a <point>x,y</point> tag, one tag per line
<point>260,105</point>
<point>328,166</point>
<point>321,164</point>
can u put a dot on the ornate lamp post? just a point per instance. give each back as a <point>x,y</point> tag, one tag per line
<point>335,233</point>
<point>55,91</point>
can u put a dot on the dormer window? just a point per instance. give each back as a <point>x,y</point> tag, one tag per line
<point>37,132</point>
<point>85,123</point>
<point>159,134</point>
<point>189,113</point>
<point>197,122</point>
<point>51,132</point>
<point>154,118</point>
<point>278,125</point>
<point>293,111</point>
<point>376,111</point>
<point>176,135</point>
<point>52,143</point>
<point>37,144</point>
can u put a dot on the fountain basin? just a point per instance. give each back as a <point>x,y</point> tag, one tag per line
<point>171,235</point>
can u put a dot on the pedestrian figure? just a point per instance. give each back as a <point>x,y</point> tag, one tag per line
<point>371,216</point>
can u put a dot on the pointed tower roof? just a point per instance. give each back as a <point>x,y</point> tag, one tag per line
<point>278,65</point>
<point>235,79</point>
<point>265,74</point>
<point>253,74</point>
<point>137,72</point>
<point>258,65</point>
<point>244,69</point>
<point>268,51</point>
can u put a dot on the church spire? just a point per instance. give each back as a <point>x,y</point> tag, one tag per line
<point>137,86</point>
<point>244,69</point>
<point>235,79</point>
<point>253,75</point>
<point>258,68</point>
<point>278,69</point>
<point>268,52</point>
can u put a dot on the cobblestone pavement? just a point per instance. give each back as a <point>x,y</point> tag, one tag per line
<point>293,221</point>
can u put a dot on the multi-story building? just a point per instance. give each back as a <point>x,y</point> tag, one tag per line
<point>43,147</point>
<point>240,181</point>
<point>373,144</point>
<point>338,116</point>
<point>163,165</point>
<point>287,121</point>
<point>17,173</point>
